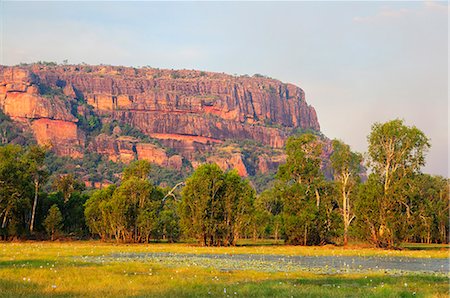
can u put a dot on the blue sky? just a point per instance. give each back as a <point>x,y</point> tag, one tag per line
<point>358,62</point>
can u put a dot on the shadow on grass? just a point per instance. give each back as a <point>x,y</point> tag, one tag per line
<point>10,288</point>
<point>44,264</point>
<point>423,246</point>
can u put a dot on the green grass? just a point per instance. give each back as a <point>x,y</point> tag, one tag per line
<point>35,269</point>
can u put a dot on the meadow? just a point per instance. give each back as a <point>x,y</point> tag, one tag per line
<point>96,269</point>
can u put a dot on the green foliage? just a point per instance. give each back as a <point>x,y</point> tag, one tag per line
<point>73,215</point>
<point>51,92</point>
<point>257,75</point>
<point>129,212</point>
<point>35,157</point>
<point>15,191</point>
<point>67,185</point>
<point>175,75</point>
<point>53,221</point>
<point>97,212</point>
<point>268,220</point>
<point>126,129</point>
<point>47,63</point>
<point>216,206</point>
<point>169,221</point>
<point>262,182</point>
<point>309,213</point>
<point>396,149</point>
<point>89,122</point>
<point>396,203</point>
<point>429,209</point>
<point>163,176</point>
<point>301,131</point>
<point>396,154</point>
<point>138,169</point>
<point>346,166</point>
<point>303,160</point>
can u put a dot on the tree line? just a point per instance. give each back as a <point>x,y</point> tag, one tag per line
<point>396,202</point>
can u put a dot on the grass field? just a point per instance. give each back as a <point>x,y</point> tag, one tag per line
<point>63,269</point>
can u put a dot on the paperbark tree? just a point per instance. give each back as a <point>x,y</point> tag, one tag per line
<point>346,167</point>
<point>36,166</point>
<point>396,151</point>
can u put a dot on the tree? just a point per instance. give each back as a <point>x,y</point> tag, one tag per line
<point>200,206</point>
<point>216,206</point>
<point>138,169</point>
<point>15,191</point>
<point>67,184</point>
<point>169,220</point>
<point>53,221</point>
<point>307,205</point>
<point>38,172</point>
<point>268,209</point>
<point>429,201</point>
<point>238,197</point>
<point>96,211</point>
<point>128,212</point>
<point>396,153</point>
<point>346,167</point>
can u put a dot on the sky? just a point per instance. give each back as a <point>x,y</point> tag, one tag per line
<point>358,62</point>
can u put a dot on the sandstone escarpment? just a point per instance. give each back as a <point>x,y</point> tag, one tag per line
<point>49,117</point>
<point>187,110</point>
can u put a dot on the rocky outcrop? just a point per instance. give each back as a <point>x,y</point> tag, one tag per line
<point>187,110</point>
<point>48,116</point>
<point>126,149</point>
<point>60,135</point>
<point>188,103</point>
<point>236,161</point>
<point>154,154</point>
<point>267,164</point>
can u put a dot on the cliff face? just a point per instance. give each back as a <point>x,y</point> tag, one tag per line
<point>189,111</point>
<point>49,117</point>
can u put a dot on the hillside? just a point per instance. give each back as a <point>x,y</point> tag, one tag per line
<point>173,118</point>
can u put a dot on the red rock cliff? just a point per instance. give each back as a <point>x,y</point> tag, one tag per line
<point>184,107</point>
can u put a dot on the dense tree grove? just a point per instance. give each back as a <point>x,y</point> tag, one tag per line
<point>393,204</point>
<point>216,206</point>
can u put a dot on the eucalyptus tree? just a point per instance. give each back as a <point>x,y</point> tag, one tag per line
<point>307,204</point>
<point>15,191</point>
<point>430,203</point>
<point>216,206</point>
<point>36,166</point>
<point>200,205</point>
<point>396,153</point>
<point>346,167</point>
<point>128,212</point>
<point>97,211</point>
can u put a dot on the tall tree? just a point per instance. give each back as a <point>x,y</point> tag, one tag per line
<point>396,152</point>
<point>306,196</point>
<point>38,172</point>
<point>67,184</point>
<point>346,168</point>
<point>15,191</point>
